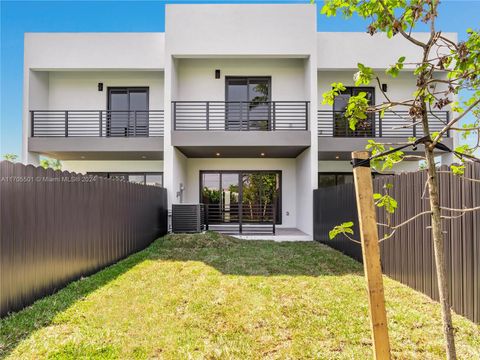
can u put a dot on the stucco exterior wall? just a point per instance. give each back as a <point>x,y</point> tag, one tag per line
<point>240,29</point>
<point>378,51</point>
<point>94,51</point>
<point>196,77</point>
<point>77,90</point>
<point>84,166</point>
<point>400,88</point>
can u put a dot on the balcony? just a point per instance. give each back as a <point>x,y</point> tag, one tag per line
<point>240,116</point>
<point>390,125</point>
<point>97,134</point>
<point>96,123</point>
<point>337,140</point>
<point>241,129</point>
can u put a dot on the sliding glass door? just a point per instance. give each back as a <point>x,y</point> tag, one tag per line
<point>247,103</point>
<point>258,193</point>
<point>341,124</point>
<point>127,113</point>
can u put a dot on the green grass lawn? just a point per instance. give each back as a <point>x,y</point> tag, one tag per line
<point>214,297</point>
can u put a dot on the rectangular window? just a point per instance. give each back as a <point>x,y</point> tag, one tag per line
<point>341,123</point>
<point>154,179</point>
<point>145,178</point>
<point>127,113</point>
<point>247,103</point>
<point>333,179</point>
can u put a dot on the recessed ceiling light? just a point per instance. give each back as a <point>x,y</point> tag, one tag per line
<point>218,154</point>
<point>337,157</point>
<point>262,154</point>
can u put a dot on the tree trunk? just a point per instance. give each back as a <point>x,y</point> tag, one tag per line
<point>438,245</point>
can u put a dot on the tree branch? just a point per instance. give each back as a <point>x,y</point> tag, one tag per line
<point>454,121</point>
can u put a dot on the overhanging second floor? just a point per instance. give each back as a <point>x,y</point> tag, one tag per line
<point>336,139</point>
<point>241,128</point>
<point>97,134</point>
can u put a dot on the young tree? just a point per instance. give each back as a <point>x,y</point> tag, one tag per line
<point>51,163</point>
<point>10,157</point>
<point>446,70</point>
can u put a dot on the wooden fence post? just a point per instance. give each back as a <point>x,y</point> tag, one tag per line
<point>371,254</point>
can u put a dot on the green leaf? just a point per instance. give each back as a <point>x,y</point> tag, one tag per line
<point>388,186</point>
<point>344,228</point>
<point>10,157</point>
<point>458,169</point>
<point>329,96</point>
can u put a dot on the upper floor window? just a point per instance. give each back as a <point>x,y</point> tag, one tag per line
<point>247,103</point>
<point>127,113</point>
<point>341,124</point>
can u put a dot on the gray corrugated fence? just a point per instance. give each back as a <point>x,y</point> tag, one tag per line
<point>408,255</point>
<point>57,226</point>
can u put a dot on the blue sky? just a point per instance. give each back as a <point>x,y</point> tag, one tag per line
<point>18,17</point>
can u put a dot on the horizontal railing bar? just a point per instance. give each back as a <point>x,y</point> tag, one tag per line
<point>388,125</point>
<point>197,115</point>
<point>96,123</point>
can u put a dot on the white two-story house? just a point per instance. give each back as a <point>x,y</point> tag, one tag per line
<point>224,107</point>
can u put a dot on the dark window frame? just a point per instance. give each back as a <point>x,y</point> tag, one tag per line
<point>238,77</point>
<point>336,174</point>
<point>231,123</point>
<point>128,89</point>
<point>279,214</point>
<point>349,90</point>
<point>127,173</point>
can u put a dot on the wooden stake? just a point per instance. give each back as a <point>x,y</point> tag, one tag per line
<point>371,255</point>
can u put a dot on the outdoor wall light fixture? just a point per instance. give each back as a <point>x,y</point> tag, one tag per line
<point>217,154</point>
<point>384,87</point>
<point>262,154</point>
<point>217,74</point>
<point>337,157</point>
<point>180,192</point>
<point>144,157</point>
<point>100,86</point>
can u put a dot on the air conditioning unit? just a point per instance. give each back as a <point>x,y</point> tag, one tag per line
<point>188,218</point>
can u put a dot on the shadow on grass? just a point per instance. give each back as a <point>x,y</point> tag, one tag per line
<point>249,257</point>
<point>226,254</point>
<point>18,326</point>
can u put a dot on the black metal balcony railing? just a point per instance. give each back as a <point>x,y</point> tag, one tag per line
<point>96,123</point>
<point>240,218</point>
<point>240,116</point>
<point>391,124</point>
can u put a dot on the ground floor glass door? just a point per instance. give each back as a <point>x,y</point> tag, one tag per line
<point>254,194</point>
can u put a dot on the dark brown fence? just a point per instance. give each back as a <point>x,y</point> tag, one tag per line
<point>57,226</point>
<point>408,255</point>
